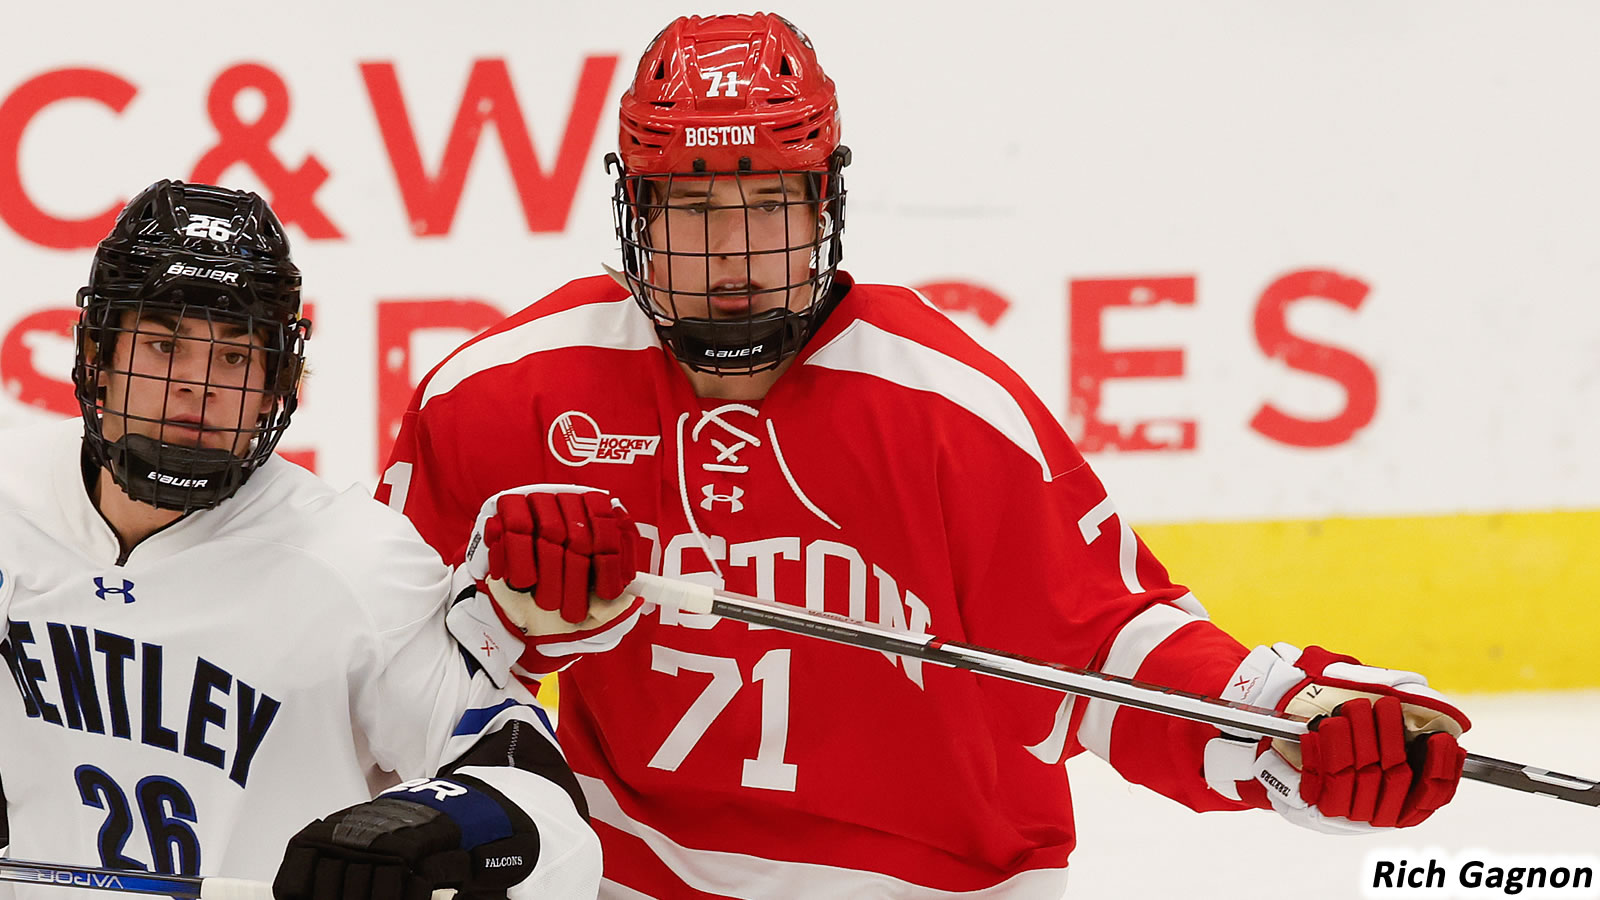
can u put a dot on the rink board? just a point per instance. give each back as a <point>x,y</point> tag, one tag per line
<point>1477,602</point>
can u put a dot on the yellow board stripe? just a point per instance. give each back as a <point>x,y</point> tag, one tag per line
<point>1475,602</point>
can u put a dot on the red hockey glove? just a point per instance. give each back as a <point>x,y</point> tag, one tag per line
<point>1382,751</point>
<point>561,544</point>
<point>556,559</point>
<point>1357,764</point>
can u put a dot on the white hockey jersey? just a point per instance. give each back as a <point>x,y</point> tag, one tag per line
<point>240,673</point>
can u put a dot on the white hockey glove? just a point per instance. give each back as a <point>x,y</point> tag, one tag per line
<point>556,559</point>
<point>1382,751</point>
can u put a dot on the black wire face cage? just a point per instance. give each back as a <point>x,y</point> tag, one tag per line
<point>694,291</point>
<point>196,389</point>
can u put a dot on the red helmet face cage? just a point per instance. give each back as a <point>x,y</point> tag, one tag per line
<point>730,119</point>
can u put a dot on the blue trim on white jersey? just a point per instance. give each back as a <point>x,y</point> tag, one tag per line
<point>474,721</point>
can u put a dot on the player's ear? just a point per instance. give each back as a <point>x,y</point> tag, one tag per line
<point>92,352</point>
<point>121,337</point>
<point>266,399</point>
<point>104,360</point>
<point>290,378</point>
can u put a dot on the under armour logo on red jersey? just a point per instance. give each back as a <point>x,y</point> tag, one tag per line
<point>729,440</point>
<point>733,500</point>
<point>103,592</point>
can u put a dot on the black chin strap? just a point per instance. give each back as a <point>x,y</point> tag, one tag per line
<point>748,345</point>
<point>731,347</point>
<point>172,477</point>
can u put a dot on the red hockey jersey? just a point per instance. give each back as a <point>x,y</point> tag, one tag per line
<point>898,473</point>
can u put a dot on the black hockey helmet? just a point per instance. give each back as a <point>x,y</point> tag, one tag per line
<point>190,252</point>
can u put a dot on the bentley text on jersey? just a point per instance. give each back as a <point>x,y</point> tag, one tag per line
<point>94,698</point>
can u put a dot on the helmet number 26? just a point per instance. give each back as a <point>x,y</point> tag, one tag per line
<point>209,227</point>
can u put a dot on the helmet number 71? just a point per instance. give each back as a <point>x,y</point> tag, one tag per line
<point>725,82</point>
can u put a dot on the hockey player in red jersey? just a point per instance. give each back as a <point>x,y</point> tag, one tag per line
<point>732,407</point>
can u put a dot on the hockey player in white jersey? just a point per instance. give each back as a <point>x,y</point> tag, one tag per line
<point>208,648</point>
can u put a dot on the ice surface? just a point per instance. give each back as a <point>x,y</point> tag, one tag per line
<point>1134,843</point>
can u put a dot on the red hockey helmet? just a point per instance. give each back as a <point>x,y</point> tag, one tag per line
<point>710,92</point>
<point>730,97</point>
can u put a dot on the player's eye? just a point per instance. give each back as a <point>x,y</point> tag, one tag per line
<point>163,346</point>
<point>769,206</point>
<point>235,357</point>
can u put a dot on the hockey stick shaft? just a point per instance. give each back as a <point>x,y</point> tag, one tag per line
<point>125,882</point>
<point>697,598</point>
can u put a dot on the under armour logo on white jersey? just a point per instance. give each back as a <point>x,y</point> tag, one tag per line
<point>735,504</point>
<point>104,591</point>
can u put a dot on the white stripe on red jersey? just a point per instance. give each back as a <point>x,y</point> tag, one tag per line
<point>738,875</point>
<point>866,348</point>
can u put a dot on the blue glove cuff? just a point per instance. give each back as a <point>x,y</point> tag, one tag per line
<point>476,808</point>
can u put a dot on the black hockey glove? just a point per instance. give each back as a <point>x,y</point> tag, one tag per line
<point>447,832</point>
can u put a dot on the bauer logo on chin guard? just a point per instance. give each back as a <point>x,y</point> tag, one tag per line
<point>576,440</point>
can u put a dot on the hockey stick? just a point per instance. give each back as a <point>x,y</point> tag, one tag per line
<point>187,887</point>
<point>697,598</point>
